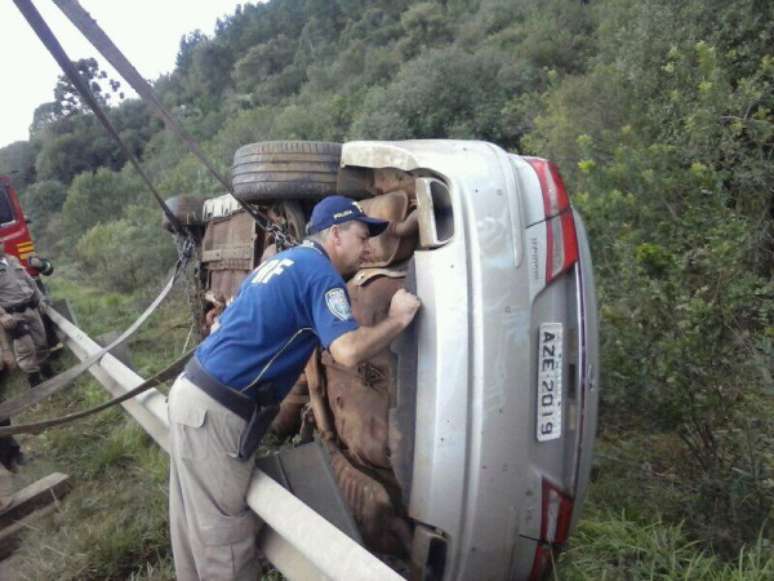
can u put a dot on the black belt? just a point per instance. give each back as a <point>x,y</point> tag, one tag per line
<point>239,403</point>
<point>21,307</point>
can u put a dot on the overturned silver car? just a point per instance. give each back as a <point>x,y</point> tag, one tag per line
<point>466,448</point>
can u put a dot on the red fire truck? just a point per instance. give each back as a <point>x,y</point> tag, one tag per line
<point>14,233</point>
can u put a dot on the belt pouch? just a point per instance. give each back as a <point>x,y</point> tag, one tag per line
<point>19,330</point>
<point>255,429</point>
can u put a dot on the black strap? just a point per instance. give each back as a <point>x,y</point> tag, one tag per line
<point>21,307</point>
<point>169,372</point>
<point>101,41</point>
<point>52,44</point>
<point>49,387</point>
<point>20,329</point>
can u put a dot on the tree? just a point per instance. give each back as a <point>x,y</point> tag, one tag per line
<point>98,197</point>
<point>424,25</point>
<point>263,61</point>
<point>188,42</point>
<point>73,145</point>
<point>68,100</point>
<point>18,160</point>
<point>41,201</point>
<point>445,92</point>
<point>209,74</point>
<point>129,253</point>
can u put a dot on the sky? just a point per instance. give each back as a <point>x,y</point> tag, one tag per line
<point>148,32</point>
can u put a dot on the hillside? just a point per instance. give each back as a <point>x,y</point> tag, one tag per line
<point>660,115</point>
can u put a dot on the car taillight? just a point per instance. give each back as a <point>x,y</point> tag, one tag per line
<point>561,240</point>
<point>556,515</point>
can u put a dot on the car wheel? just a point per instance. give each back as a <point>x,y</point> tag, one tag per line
<point>187,209</point>
<point>285,170</point>
<point>293,216</point>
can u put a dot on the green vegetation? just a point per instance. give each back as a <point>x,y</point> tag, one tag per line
<point>113,524</point>
<point>660,115</point>
<point>612,546</point>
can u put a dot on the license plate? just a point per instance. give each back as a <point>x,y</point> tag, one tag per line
<point>549,400</point>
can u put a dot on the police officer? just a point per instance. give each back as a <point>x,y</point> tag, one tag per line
<point>226,398</point>
<point>20,304</point>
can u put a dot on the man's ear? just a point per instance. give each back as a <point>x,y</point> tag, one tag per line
<point>335,234</point>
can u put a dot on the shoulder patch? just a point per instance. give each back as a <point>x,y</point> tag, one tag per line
<point>338,304</point>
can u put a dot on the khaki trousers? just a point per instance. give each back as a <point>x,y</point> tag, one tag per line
<point>212,529</point>
<point>31,350</point>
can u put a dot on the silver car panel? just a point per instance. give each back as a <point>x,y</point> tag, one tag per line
<point>478,469</point>
<point>530,186</point>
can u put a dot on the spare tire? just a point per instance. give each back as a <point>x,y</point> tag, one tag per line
<point>286,170</point>
<point>186,208</point>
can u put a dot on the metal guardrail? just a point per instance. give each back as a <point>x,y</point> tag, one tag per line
<point>299,542</point>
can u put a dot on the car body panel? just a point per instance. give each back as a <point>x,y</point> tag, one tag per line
<point>479,471</point>
<point>14,232</point>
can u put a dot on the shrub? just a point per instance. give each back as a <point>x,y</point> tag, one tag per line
<point>127,254</point>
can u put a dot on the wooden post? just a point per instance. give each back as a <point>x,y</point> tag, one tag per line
<point>26,506</point>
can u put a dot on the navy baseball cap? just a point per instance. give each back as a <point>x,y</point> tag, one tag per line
<point>337,210</point>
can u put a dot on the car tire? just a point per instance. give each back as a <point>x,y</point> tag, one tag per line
<point>292,214</point>
<point>285,170</point>
<point>187,209</point>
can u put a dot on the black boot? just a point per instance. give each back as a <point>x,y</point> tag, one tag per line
<point>10,451</point>
<point>34,379</point>
<point>46,371</point>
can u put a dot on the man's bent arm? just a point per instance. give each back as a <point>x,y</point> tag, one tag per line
<point>358,345</point>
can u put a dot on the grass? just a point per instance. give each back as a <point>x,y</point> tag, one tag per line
<point>611,546</point>
<point>635,522</point>
<point>113,524</point>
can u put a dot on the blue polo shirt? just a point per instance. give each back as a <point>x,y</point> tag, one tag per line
<point>285,308</point>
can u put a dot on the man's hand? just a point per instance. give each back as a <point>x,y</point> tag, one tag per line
<point>7,321</point>
<point>404,307</point>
